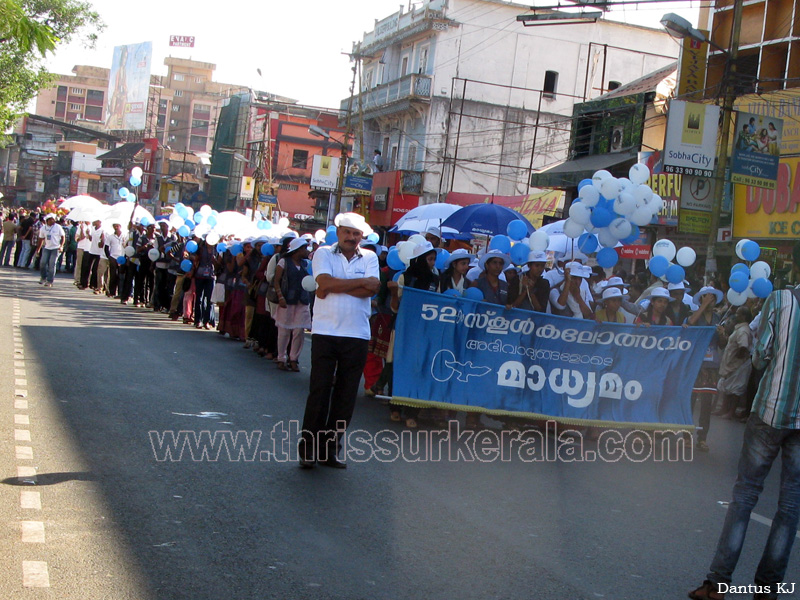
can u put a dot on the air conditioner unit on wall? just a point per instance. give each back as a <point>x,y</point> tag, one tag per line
<point>617,134</point>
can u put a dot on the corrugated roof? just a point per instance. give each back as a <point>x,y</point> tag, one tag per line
<point>644,84</point>
<point>125,152</point>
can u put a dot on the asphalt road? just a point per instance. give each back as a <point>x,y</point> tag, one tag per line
<point>88,380</point>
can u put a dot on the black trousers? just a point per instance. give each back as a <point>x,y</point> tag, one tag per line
<point>331,402</point>
<point>89,269</point>
<point>113,277</point>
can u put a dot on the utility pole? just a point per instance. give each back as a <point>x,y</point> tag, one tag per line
<point>259,174</point>
<point>722,162</point>
<point>344,144</point>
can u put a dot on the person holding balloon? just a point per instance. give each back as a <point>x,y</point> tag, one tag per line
<point>232,312</point>
<point>113,248</point>
<point>532,291</point>
<point>143,278</point>
<point>293,315</point>
<point>706,385</point>
<point>204,259</point>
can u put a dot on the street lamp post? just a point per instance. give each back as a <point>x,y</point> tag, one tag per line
<point>680,28</point>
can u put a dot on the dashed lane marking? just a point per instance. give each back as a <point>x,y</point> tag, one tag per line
<point>32,532</point>
<point>30,500</point>
<point>21,404</point>
<point>24,452</point>
<point>22,420</point>
<point>34,573</point>
<point>22,435</point>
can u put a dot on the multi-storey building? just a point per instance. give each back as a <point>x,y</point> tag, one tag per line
<point>79,99</point>
<point>460,94</point>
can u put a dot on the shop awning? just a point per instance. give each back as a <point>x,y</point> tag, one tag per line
<point>569,173</point>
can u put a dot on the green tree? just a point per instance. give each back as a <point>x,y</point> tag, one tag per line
<point>29,29</point>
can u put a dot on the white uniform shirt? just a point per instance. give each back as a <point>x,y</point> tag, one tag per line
<point>343,315</point>
<point>116,244</point>
<point>96,247</point>
<point>52,236</point>
<point>86,243</point>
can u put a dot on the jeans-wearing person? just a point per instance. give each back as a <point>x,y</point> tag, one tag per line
<point>48,264</point>
<point>203,308</point>
<point>25,254</point>
<point>5,253</point>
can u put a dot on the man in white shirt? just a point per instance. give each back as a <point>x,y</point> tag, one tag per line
<point>89,267</point>
<point>114,248</point>
<point>83,237</point>
<point>347,278</point>
<point>51,244</point>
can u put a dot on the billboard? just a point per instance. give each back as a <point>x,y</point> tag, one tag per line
<point>692,68</point>
<point>128,87</point>
<point>756,150</point>
<point>784,105</point>
<point>325,172</point>
<point>763,214</point>
<point>181,41</point>
<point>690,147</point>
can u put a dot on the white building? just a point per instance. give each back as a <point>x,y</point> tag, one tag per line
<point>463,92</point>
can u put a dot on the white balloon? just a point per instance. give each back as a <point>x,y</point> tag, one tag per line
<point>739,245</point>
<point>309,283</point>
<point>686,256</point>
<point>736,298</point>
<point>760,269</point>
<point>749,291</point>
<point>589,195</point>
<point>153,254</point>
<point>175,220</point>
<point>639,173</point>
<point>610,187</point>
<point>599,176</point>
<point>655,204</point>
<point>642,216</point>
<point>625,183</point>
<point>202,229</point>
<point>319,235</point>
<point>205,210</point>
<point>625,204</point>
<point>417,239</point>
<point>212,238</point>
<point>572,229</point>
<point>580,213</point>
<point>129,251</point>
<point>539,241</point>
<point>664,248</point>
<point>620,228</point>
<point>606,238</point>
<point>642,194</point>
<point>589,227</point>
<point>190,212</point>
<point>405,250</point>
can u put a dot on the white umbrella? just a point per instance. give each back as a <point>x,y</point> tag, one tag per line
<point>81,201</point>
<point>230,222</point>
<point>419,219</point>
<point>88,214</point>
<point>123,210</point>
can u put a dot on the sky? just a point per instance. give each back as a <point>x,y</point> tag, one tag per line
<point>297,44</point>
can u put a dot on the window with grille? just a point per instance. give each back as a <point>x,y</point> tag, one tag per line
<point>299,159</point>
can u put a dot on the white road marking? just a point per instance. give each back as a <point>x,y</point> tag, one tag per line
<point>26,472</point>
<point>757,518</point>
<point>21,404</point>
<point>21,382</point>
<point>20,372</point>
<point>32,532</point>
<point>19,363</point>
<point>21,393</point>
<point>34,573</point>
<point>22,435</point>
<point>22,420</point>
<point>24,452</point>
<point>30,500</point>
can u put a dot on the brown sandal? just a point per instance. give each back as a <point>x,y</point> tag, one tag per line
<point>293,366</point>
<point>282,366</point>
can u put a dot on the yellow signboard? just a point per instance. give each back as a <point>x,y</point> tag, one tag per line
<point>692,70</point>
<point>781,105</point>
<point>761,213</point>
<point>694,221</point>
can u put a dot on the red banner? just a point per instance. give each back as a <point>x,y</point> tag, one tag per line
<point>634,251</point>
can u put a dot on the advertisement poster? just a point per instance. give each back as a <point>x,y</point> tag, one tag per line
<point>762,213</point>
<point>690,147</point>
<point>756,150</point>
<point>128,87</point>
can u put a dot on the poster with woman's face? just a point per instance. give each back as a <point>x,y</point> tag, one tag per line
<point>129,86</point>
<point>756,149</point>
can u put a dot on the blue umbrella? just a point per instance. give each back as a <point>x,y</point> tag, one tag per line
<point>484,219</point>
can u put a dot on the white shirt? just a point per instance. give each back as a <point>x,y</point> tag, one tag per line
<point>343,315</point>
<point>555,278</point>
<point>96,247</point>
<point>52,236</point>
<point>116,244</point>
<point>86,243</point>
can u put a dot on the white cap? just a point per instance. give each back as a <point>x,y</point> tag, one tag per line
<point>537,256</point>
<point>51,216</point>
<point>434,231</point>
<point>354,221</point>
<point>576,269</point>
<point>296,244</point>
<point>421,249</point>
<point>611,292</point>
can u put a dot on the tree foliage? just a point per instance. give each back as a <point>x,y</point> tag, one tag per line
<point>29,29</point>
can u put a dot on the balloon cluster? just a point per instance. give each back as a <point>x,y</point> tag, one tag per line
<point>749,281</point>
<point>185,220</point>
<point>661,265</point>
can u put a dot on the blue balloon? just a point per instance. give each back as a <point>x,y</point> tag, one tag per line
<point>601,216</point>
<point>331,238</point>
<point>502,243</point>
<point>181,210</point>
<point>675,274</point>
<point>519,254</point>
<point>397,275</point>
<point>267,224</point>
<point>198,218</point>
<point>183,231</point>
<point>374,238</point>
<point>121,260</point>
<point>607,258</point>
<point>517,230</point>
<point>330,229</point>
<point>260,224</point>
<point>130,198</point>
<point>394,261</point>
<point>267,250</point>
<point>189,224</point>
<point>633,237</point>
<point>237,249</point>
<point>441,258</point>
<point>587,243</point>
<point>145,222</point>
<point>186,265</point>
<point>307,264</point>
<point>658,266</point>
<point>584,183</point>
<point>473,294</point>
<point>191,246</point>
<point>452,292</point>
<point>751,250</point>
<point>739,280</point>
<point>135,181</point>
<point>221,247</point>
<point>741,267</point>
<point>762,287</point>
<point>212,221</point>
<point>123,192</point>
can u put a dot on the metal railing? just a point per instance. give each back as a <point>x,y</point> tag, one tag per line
<point>408,87</point>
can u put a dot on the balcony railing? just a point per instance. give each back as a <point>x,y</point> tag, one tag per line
<point>390,97</point>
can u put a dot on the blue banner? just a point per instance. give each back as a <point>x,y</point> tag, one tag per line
<point>466,355</point>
